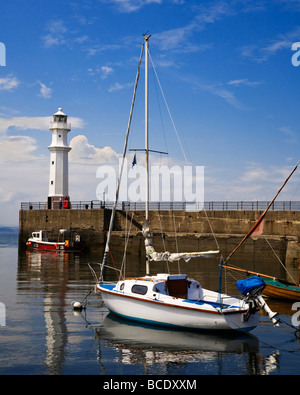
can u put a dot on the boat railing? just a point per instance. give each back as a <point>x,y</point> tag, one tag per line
<point>185,206</point>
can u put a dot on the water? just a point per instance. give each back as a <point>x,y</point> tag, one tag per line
<point>44,336</point>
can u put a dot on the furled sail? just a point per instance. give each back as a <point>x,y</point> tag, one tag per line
<point>168,256</point>
<point>171,257</point>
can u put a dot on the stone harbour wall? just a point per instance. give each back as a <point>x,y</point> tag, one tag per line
<point>229,226</point>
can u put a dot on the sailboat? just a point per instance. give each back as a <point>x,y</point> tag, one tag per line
<point>175,300</point>
<point>275,287</point>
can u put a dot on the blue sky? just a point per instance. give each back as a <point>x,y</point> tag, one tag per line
<point>226,72</point>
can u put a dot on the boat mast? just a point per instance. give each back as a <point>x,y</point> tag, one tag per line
<point>121,170</point>
<point>146,38</point>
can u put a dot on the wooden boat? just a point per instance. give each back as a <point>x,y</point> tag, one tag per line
<point>174,300</point>
<point>69,241</point>
<point>275,288</point>
<point>280,289</point>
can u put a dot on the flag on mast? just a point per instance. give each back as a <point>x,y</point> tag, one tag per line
<point>134,161</point>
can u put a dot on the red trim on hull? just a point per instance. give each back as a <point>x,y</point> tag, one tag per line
<point>54,247</point>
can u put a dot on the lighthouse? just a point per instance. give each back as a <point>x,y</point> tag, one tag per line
<point>59,150</point>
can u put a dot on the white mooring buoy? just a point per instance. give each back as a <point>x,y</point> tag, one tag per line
<point>77,306</point>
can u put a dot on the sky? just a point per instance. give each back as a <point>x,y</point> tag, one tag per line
<point>229,72</point>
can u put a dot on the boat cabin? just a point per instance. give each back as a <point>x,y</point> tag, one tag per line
<point>177,286</point>
<point>40,235</point>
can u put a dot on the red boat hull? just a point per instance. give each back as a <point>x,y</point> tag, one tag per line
<point>49,246</point>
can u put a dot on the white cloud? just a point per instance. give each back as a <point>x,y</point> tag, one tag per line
<point>290,136</point>
<point>56,34</point>
<point>45,92</point>
<point>205,14</point>
<point>252,182</point>
<point>255,173</point>
<point>103,71</point>
<point>7,111</point>
<point>9,83</point>
<point>106,71</point>
<point>133,5</point>
<point>17,149</point>
<point>243,82</point>
<point>118,87</point>
<point>40,123</point>
<point>22,181</point>
<point>216,90</point>
<point>83,152</point>
<point>34,123</point>
<point>270,48</point>
<point>81,39</point>
<point>6,196</point>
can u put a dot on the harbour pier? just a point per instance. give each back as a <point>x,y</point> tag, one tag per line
<point>91,221</point>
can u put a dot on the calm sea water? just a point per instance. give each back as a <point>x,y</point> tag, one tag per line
<point>43,335</point>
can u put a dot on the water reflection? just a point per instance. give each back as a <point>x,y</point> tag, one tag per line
<point>47,283</point>
<point>46,277</point>
<point>146,345</point>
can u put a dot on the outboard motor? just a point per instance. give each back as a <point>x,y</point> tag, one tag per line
<point>252,288</point>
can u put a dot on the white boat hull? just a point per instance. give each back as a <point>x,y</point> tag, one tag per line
<point>176,312</point>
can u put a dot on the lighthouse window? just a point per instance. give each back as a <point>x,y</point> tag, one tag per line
<point>59,135</point>
<point>51,182</point>
<point>53,162</point>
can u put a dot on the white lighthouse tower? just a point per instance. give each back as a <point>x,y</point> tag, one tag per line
<point>59,149</point>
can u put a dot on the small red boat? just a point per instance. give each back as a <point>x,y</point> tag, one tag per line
<point>68,241</point>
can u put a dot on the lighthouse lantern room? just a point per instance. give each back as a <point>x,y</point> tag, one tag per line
<point>59,149</point>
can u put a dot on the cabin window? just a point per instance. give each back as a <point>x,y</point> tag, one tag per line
<point>139,289</point>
